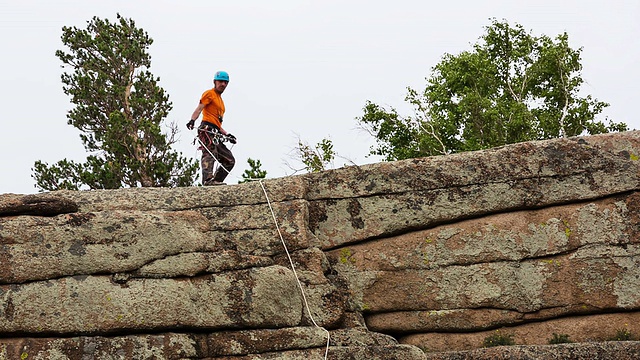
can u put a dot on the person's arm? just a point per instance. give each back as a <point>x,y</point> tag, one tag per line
<point>194,116</point>
<point>197,112</point>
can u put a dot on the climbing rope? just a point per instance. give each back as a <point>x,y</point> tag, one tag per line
<point>293,268</point>
<point>284,244</point>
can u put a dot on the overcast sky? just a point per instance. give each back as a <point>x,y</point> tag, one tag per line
<point>298,68</point>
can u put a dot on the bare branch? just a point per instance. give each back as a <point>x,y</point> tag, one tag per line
<point>563,132</point>
<point>433,134</point>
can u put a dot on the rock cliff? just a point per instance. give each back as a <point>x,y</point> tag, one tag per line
<point>417,259</point>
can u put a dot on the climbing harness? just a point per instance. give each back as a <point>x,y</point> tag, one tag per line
<point>293,268</point>
<point>208,136</point>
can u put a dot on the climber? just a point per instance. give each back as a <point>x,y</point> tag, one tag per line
<point>210,132</point>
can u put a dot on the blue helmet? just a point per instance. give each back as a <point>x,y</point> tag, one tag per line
<point>221,75</point>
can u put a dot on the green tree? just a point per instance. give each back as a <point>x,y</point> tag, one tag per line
<point>511,87</point>
<point>254,171</point>
<point>119,109</point>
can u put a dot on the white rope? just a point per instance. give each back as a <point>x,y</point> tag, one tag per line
<point>219,164</point>
<point>293,268</point>
<point>306,304</point>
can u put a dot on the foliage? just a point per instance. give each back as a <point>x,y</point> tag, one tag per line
<point>559,339</point>
<point>623,335</point>
<point>119,109</point>
<point>346,257</point>
<point>397,137</point>
<point>254,171</point>
<point>316,158</point>
<point>511,87</point>
<point>498,339</point>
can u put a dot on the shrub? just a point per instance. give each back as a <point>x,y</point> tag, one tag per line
<point>559,339</point>
<point>622,335</point>
<point>498,339</point>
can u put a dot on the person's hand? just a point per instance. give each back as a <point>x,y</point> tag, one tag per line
<point>190,124</point>
<point>232,139</point>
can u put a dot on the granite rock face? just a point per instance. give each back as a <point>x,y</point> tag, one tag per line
<point>415,259</point>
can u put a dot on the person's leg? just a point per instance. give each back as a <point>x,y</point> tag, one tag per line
<point>208,160</point>
<point>207,163</point>
<point>227,161</point>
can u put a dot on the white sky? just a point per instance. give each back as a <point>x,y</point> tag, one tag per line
<point>297,67</point>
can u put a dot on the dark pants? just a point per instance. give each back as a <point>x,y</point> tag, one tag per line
<point>223,155</point>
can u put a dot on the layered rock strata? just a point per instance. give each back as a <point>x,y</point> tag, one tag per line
<point>413,259</point>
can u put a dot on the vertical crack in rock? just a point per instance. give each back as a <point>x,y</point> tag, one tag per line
<point>240,297</point>
<point>318,213</point>
<point>354,208</point>
<point>9,308</point>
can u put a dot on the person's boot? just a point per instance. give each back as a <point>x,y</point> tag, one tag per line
<point>211,182</point>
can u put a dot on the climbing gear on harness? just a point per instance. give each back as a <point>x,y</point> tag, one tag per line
<point>221,75</point>
<point>210,135</point>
